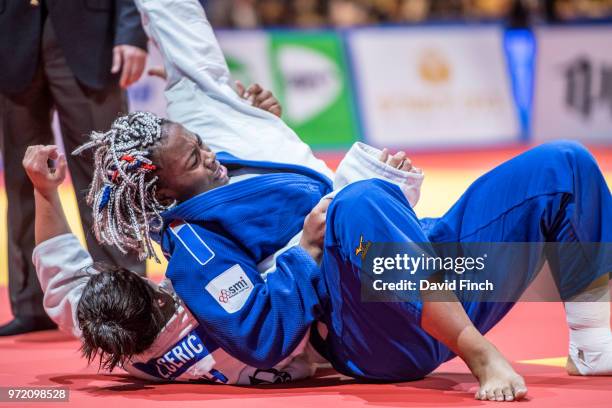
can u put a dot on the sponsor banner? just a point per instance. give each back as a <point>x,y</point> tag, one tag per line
<point>247,56</point>
<point>433,86</point>
<point>312,81</point>
<point>573,96</point>
<point>308,74</point>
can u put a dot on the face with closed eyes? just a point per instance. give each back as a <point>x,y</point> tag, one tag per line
<point>186,167</point>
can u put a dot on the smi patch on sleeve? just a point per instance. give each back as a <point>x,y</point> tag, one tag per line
<point>231,289</point>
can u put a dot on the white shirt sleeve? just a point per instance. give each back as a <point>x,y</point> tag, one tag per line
<point>200,96</point>
<point>362,163</point>
<point>60,265</point>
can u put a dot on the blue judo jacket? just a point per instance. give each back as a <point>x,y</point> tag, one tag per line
<point>214,242</point>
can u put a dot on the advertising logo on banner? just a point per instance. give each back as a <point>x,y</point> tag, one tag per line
<point>307,72</point>
<point>247,56</point>
<point>433,86</point>
<point>573,97</point>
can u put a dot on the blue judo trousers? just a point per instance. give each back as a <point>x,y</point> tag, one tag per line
<point>553,193</point>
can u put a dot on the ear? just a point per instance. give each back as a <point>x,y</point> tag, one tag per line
<point>161,301</point>
<point>164,196</point>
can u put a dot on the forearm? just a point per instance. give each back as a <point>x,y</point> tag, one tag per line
<point>50,220</point>
<point>61,266</point>
<point>263,322</point>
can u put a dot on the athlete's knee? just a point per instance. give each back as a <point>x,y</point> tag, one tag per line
<point>369,205</point>
<point>368,195</point>
<point>353,202</point>
<point>571,153</point>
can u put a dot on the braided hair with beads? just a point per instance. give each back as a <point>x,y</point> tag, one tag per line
<point>122,192</point>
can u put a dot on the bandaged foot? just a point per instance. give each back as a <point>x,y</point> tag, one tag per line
<point>592,355</point>
<point>590,338</point>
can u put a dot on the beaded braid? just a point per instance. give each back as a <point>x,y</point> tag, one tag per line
<point>122,192</point>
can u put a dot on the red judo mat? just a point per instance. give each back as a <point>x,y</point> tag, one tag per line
<point>532,331</point>
<point>533,337</point>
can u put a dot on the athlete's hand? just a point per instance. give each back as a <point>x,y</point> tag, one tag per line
<point>260,98</point>
<point>398,160</point>
<point>45,177</point>
<point>159,72</point>
<point>314,230</point>
<point>130,60</point>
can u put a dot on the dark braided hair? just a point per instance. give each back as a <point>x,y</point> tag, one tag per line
<point>122,192</point>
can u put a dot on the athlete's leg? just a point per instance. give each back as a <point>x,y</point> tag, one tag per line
<point>372,340</point>
<point>553,193</point>
<point>388,340</point>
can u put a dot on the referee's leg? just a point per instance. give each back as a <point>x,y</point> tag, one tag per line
<point>25,119</point>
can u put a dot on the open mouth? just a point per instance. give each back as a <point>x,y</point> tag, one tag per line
<point>220,171</point>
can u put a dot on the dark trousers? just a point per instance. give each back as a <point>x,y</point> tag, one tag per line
<point>25,119</point>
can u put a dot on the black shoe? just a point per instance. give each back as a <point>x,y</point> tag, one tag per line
<point>21,325</point>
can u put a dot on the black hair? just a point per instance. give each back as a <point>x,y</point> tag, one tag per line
<point>118,315</point>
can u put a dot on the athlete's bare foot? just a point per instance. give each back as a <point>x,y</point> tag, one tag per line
<point>498,380</point>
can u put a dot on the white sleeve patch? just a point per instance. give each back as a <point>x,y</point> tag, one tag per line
<point>231,289</point>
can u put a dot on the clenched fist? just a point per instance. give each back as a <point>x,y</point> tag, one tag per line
<point>314,230</point>
<point>260,98</point>
<point>398,160</point>
<point>45,178</point>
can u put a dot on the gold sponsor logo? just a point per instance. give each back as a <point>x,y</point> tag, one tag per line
<point>434,67</point>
